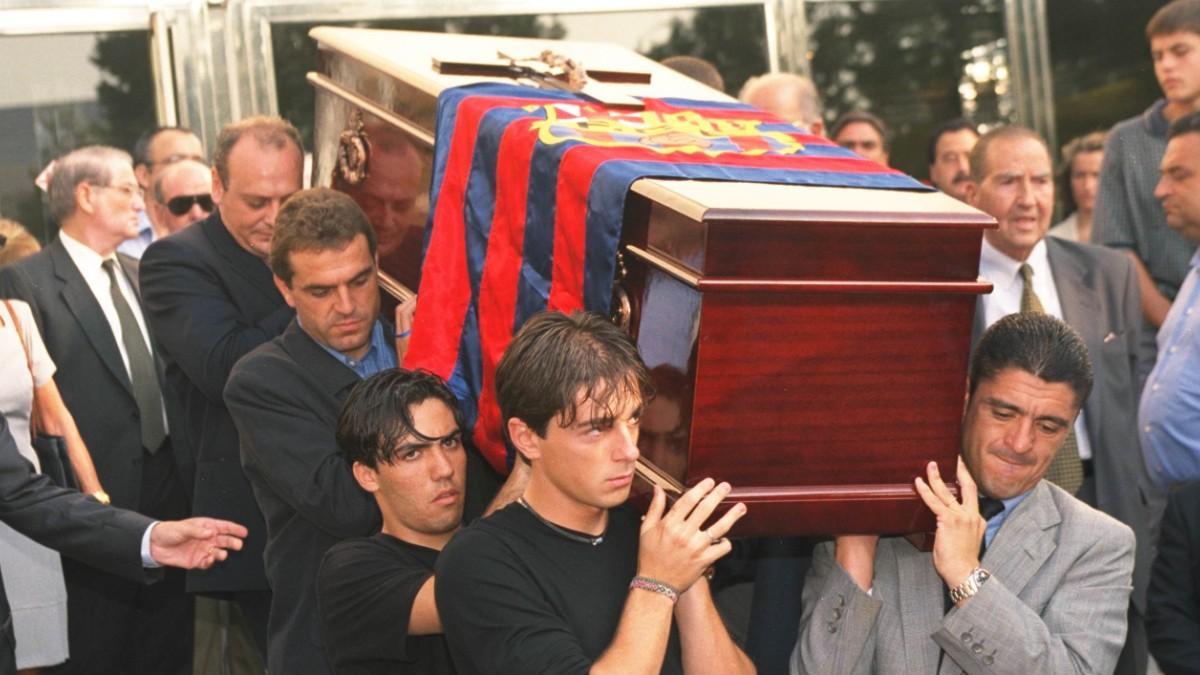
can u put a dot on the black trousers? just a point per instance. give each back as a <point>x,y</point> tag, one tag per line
<point>120,627</point>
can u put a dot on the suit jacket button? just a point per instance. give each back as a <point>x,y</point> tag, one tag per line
<point>837,612</point>
<point>841,600</point>
<point>967,637</point>
<point>832,627</point>
<point>988,660</point>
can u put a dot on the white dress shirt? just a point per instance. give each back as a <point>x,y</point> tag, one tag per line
<point>1004,274</point>
<point>89,264</point>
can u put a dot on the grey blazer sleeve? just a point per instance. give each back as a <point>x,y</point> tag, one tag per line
<point>1081,630</point>
<point>837,625</point>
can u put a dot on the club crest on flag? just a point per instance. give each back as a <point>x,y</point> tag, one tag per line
<point>686,131</point>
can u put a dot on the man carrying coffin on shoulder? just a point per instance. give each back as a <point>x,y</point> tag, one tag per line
<point>567,580</point>
<point>1023,577</point>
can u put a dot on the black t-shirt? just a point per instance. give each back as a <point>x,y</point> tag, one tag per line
<point>516,597</point>
<point>365,590</point>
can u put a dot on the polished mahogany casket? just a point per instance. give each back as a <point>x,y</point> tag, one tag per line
<point>807,344</point>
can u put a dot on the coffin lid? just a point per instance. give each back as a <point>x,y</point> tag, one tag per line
<point>706,201</point>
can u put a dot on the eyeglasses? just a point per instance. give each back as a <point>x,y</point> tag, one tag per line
<point>130,191</point>
<point>183,203</point>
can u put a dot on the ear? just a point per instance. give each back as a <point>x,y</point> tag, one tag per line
<point>817,127</point>
<point>367,478</point>
<point>524,439</point>
<point>972,193</point>
<point>85,194</point>
<point>218,190</point>
<point>141,172</point>
<point>284,291</point>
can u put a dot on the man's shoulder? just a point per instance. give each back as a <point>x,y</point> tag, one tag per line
<point>374,554</point>
<point>191,244</point>
<point>29,267</point>
<point>1093,256</point>
<point>1141,126</point>
<point>261,364</point>
<point>1087,524</point>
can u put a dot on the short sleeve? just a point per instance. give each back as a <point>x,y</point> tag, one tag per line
<point>361,587</point>
<point>43,365</point>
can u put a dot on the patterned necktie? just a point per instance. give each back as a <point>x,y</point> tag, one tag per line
<point>1066,469</point>
<point>141,366</point>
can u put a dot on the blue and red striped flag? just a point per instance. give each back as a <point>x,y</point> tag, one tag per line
<point>527,197</point>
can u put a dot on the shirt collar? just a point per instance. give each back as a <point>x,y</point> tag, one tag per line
<point>1195,261</point>
<point>998,268</point>
<point>377,339</point>
<point>84,257</point>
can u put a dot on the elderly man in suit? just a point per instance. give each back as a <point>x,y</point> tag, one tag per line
<point>210,300</point>
<point>86,302</point>
<point>120,542</point>
<point>1095,291</point>
<point>1038,581</point>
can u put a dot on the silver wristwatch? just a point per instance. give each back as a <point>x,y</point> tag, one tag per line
<point>970,585</point>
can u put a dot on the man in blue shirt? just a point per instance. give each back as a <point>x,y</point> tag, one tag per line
<point>1170,408</point>
<point>285,397</point>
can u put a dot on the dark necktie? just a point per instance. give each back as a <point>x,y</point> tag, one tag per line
<point>1066,469</point>
<point>141,366</point>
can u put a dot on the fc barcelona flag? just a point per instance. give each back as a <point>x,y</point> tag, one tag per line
<point>527,197</point>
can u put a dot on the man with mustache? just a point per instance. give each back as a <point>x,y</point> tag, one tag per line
<point>1035,581</point>
<point>949,152</point>
<point>1094,290</point>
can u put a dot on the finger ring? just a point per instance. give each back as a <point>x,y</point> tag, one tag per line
<point>712,541</point>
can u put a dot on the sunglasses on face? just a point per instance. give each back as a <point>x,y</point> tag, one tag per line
<point>183,203</point>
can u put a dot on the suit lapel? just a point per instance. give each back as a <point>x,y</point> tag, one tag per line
<point>253,270</point>
<point>335,376</point>
<point>1076,286</point>
<point>1025,540</point>
<point>84,307</point>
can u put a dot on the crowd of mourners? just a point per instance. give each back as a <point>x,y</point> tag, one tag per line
<point>211,459</point>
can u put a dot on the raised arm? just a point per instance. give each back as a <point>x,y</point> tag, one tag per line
<point>290,449</point>
<point>674,551</point>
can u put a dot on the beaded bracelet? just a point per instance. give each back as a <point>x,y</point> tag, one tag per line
<point>655,586</point>
<point>404,334</point>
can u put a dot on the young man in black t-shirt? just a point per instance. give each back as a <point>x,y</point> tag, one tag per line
<point>568,580</point>
<point>401,433</point>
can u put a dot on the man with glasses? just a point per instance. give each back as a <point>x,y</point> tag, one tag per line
<point>181,195</point>
<point>156,150</point>
<point>86,301</point>
<point>210,300</point>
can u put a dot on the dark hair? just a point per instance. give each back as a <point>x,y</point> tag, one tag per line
<point>1093,142</point>
<point>1187,124</point>
<point>866,118</point>
<point>1038,344</point>
<point>270,132</point>
<point>377,415</point>
<point>141,148</point>
<point>316,219</point>
<point>555,357</point>
<point>696,68</point>
<point>1176,17</point>
<point>979,152</point>
<point>948,127</point>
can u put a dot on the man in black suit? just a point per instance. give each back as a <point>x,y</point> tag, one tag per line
<point>285,397</point>
<point>117,541</point>
<point>210,300</point>
<point>85,300</point>
<point>1095,291</point>
<point>1173,601</point>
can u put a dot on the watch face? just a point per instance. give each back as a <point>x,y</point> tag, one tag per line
<point>982,575</point>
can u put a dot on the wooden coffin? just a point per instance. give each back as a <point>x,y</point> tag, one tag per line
<point>809,345</point>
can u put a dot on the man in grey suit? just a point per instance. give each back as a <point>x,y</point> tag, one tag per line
<point>1095,291</point>
<point>1038,581</point>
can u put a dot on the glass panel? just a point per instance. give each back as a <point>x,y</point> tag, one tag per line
<point>1094,88</point>
<point>914,63</point>
<point>80,89</point>
<point>731,37</point>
